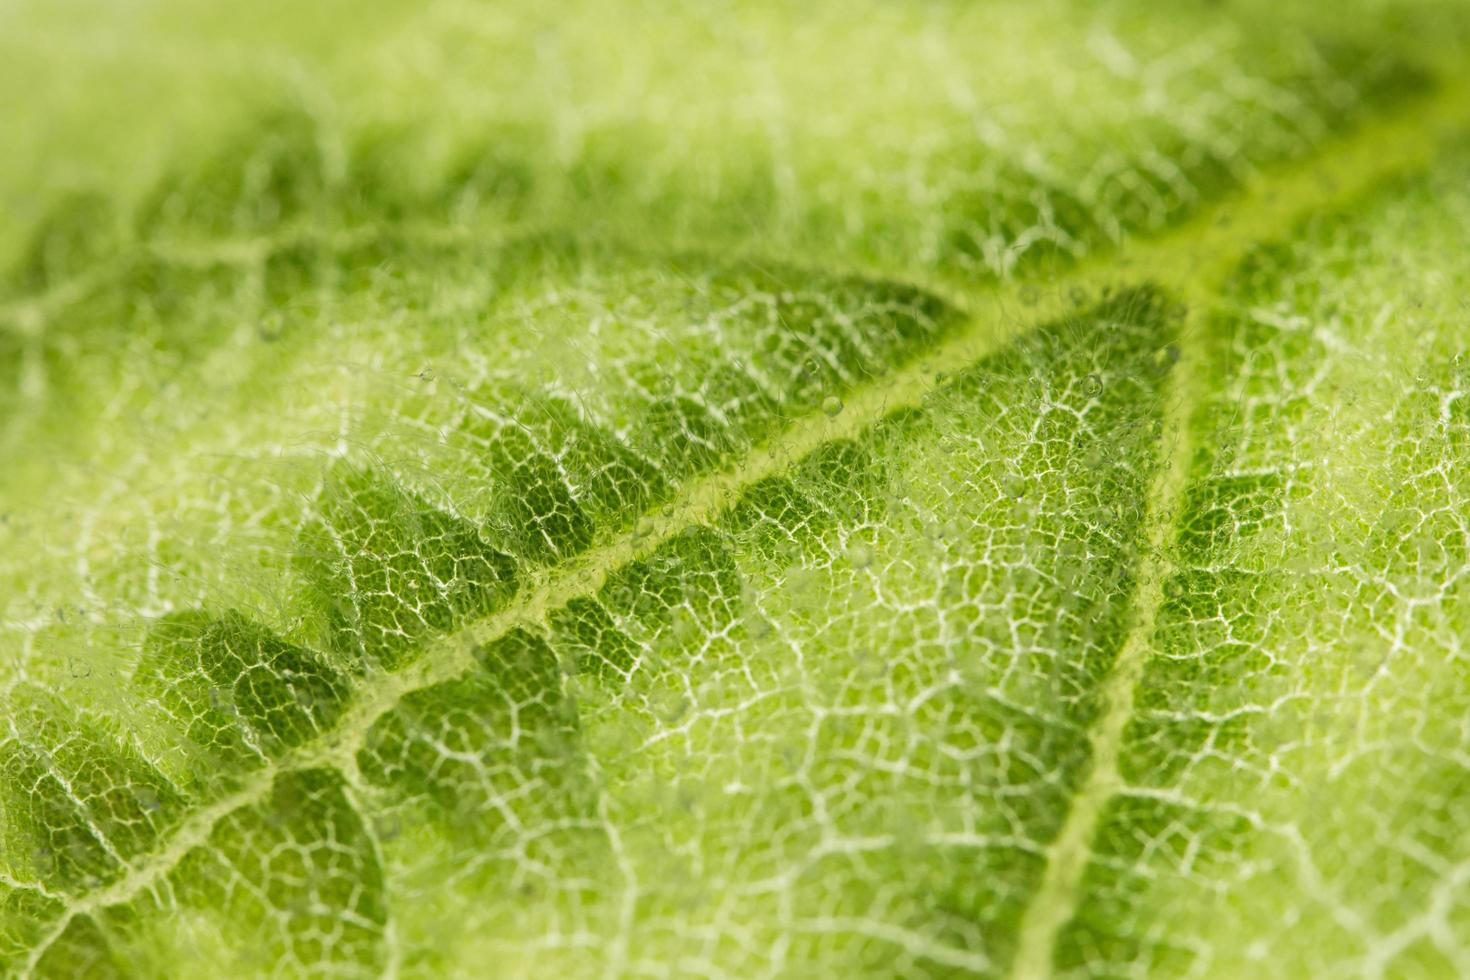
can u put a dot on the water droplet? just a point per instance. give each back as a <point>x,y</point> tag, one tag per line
<point>859,555</point>
<point>800,582</point>
<point>831,406</point>
<point>271,329</point>
<point>870,666</point>
<point>942,529</point>
<point>671,707</point>
<point>388,828</point>
<point>758,627</point>
<point>685,628</point>
<point>147,799</point>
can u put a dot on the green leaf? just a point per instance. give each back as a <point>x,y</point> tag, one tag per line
<point>906,489</point>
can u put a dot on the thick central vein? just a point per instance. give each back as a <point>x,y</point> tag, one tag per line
<point>1187,260</point>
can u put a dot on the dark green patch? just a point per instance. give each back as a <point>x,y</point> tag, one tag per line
<point>384,568</point>
<point>782,517</point>
<point>26,917</point>
<point>79,231</point>
<point>613,482</point>
<point>1111,934</point>
<point>239,693</point>
<point>1220,510</point>
<point>79,804</point>
<point>690,582</point>
<point>686,434</point>
<point>494,751</point>
<point>594,642</point>
<point>294,879</point>
<point>535,507</point>
<point>82,951</point>
<point>274,172</point>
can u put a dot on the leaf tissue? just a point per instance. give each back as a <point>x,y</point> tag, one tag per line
<point>618,489</point>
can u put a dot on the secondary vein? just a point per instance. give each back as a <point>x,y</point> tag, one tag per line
<point>1380,152</point>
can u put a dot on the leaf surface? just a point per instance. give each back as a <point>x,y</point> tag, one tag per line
<point>910,490</point>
